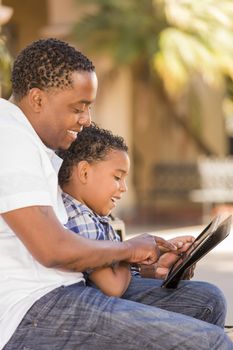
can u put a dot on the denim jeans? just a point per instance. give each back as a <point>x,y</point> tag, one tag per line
<point>146,317</point>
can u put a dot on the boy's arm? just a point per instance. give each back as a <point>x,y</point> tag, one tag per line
<point>112,281</point>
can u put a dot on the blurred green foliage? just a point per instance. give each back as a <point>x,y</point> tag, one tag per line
<point>5,68</point>
<point>176,39</point>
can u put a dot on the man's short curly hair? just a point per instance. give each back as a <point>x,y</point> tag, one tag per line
<point>45,64</point>
<point>92,144</point>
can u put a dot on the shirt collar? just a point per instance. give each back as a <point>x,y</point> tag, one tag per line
<point>83,208</point>
<point>23,120</point>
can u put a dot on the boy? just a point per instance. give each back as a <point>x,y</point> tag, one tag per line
<point>92,176</point>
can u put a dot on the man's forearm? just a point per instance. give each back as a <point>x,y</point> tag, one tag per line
<point>90,254</point>
<point>54,246</point>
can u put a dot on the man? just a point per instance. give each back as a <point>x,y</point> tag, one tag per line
<point>44,303</point>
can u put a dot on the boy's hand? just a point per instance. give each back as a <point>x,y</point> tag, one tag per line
<point>182,243</point>
<point>146,249</point>
<point>166,261</point>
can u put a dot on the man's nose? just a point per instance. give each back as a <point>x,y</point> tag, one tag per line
<point>85,119</point>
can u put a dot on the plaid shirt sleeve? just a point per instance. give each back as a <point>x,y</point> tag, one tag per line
<point>83,224</point>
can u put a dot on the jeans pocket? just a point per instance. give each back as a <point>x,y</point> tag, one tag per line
<point>41,308</point>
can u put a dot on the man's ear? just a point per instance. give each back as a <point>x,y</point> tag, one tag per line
<point>82,171</point>
<point>35,97</point>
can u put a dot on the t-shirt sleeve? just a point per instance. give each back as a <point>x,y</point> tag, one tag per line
<point>22,177</point>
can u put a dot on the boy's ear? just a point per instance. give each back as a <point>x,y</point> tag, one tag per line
<point>82,171</point>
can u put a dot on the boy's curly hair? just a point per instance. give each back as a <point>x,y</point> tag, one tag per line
<point>47,63</point>
<point>92,144</point>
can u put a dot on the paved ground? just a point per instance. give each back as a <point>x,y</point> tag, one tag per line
<point>215,267</point>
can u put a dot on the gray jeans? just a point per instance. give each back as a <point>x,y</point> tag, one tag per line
<point>146,317</point>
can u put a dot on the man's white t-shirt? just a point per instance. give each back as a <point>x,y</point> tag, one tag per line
<point>27,178</point>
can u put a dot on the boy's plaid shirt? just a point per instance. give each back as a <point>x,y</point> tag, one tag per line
<point>85,222</point>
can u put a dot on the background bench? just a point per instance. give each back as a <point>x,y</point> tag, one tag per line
<point>209,181</point>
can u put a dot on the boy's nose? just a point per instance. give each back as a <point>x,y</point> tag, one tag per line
<point>123,187</point>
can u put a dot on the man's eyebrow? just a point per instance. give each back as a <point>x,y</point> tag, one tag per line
<point>80,104</point>
<point>75,102</point>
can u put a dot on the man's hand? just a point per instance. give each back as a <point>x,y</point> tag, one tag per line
<point>161,268</point>
<point>146,249</point>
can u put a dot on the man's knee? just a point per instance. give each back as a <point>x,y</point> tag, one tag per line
<point>214,299</point>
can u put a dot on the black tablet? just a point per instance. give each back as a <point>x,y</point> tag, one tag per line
<point>209,238</point>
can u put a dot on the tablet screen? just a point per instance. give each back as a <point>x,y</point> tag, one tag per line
<point>211,236</point>
<point>202,237</point>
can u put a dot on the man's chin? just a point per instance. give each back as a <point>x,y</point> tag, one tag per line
<point>63,147</point>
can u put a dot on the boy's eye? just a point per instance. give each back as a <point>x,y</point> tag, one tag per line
<point>117,178</point>
<point>77,110</point>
